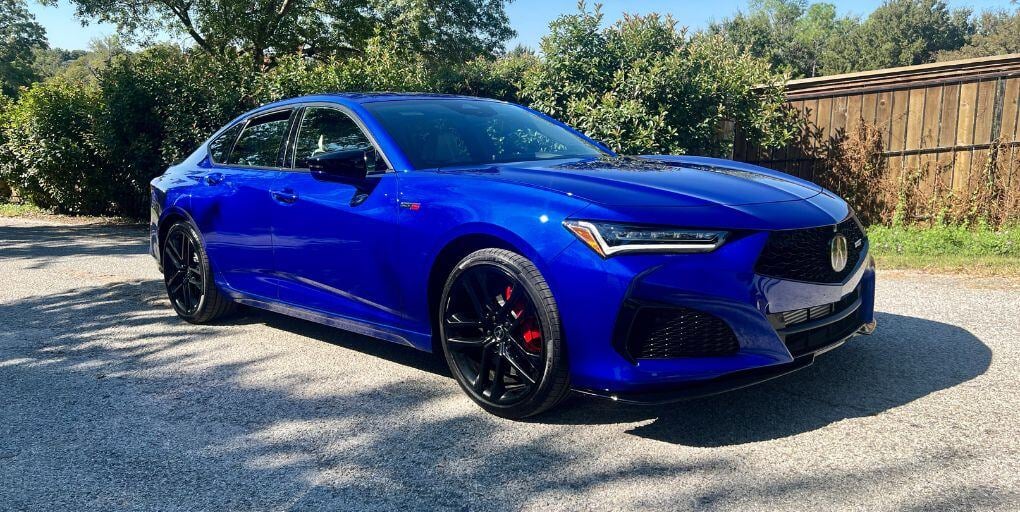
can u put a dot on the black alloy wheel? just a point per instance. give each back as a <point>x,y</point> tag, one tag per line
<point>500,332</point>
<point>188,279</point>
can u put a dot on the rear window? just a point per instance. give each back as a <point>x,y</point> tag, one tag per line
<point>261,142</point>
<point>220,147</point>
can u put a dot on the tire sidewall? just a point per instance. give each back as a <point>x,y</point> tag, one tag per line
<point>196,240</point>
<point>553,346</point>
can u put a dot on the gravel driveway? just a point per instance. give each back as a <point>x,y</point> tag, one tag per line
<point>107,401</point>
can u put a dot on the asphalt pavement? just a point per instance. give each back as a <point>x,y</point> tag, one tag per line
<point>109,402</point>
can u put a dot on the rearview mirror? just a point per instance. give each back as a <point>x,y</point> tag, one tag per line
<point>346,165</point>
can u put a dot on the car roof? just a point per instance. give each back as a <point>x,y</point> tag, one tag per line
<point>368,97</point>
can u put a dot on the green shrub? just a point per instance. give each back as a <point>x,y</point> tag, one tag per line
<point>644,86</point>
<point>6,106</point>
<point>158,106</point>
<point>92,146</point>
<point>53,156</point>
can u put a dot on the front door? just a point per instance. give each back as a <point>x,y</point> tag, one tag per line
<point>335,241</point>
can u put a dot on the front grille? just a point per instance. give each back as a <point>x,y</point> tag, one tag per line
<point>805,255</point>
<point>803,342</point>
<point>799,316</point>
<point>666,333</point>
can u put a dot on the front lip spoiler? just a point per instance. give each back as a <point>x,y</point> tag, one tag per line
<point>724,384</point>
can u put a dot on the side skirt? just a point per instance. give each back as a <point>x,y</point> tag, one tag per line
<point>319,317</point>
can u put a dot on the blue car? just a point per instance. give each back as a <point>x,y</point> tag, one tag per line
<point>534,258</point>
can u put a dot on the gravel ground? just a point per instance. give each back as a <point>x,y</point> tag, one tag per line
<point>109,402</point>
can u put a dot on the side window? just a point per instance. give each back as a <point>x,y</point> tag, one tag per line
<point>327,130</point>
<point>259,145</point>
<point>219,148</point>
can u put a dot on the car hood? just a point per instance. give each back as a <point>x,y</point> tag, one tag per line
<point>660,181</point>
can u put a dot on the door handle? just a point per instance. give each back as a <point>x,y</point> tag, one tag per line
<point>214,179</point>
<point>285,196</point>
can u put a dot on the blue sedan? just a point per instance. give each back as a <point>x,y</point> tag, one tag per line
<point>535,259</point>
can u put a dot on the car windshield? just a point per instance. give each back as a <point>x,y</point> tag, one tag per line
<point>453,132</point>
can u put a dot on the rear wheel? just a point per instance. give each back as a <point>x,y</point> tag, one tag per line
<point>188,277</point>
<point>500,331</point>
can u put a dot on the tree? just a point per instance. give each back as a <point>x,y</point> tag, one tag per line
<point>997,33</point>
<point>643,86</point>
<point>262,29</point>
<point>20,35</point>
<point>794,35</point>
<point>78,65</point>
<point>48,62</point>
<point>907,32</point>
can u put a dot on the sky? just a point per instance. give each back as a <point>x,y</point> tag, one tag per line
<point>530,18</point>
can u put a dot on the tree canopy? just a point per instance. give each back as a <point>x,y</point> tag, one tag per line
<point>908,32</point>
<point>261,29</point>
<point>997,33</point>
<point>20,36</point>
<point>812,39</point>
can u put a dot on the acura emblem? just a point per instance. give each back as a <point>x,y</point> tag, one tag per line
<point>838,252</point>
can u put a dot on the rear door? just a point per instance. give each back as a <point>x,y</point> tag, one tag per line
<point>232,207</point>
<point>335,242</point>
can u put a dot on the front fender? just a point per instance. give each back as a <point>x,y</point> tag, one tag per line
<point>444,207</point>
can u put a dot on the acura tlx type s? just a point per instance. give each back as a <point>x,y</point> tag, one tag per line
<point>537,260</point>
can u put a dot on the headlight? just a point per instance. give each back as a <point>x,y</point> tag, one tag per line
<point>608,239</point>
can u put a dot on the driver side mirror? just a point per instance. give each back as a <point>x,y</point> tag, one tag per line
<point>348,165</point>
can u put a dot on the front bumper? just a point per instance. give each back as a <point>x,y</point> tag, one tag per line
<point>722,284</point>
<point>730,382</point>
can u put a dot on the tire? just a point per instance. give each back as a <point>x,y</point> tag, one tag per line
<point>188,277</point>
<point>504,348</point>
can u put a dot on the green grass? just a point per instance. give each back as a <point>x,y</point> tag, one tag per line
<point>957,249</point>
<point>34,212</point>
<point>21,210</point>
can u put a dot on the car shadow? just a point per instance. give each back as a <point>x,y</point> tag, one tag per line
<point>906,359</point>
<point>401,354</point>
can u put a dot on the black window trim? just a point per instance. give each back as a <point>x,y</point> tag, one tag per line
<point>292,152</point>
<point>242,124</point>
<point>247,121</point>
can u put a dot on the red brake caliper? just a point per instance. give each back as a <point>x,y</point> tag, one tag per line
<point>530,333</point>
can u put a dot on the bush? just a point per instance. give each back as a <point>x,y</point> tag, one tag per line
<point>643,86</point>
<point>158,106</point>
<point>6,106</point>
<point>53,156</point>
<point>92,146</point>
<point>856,171</point>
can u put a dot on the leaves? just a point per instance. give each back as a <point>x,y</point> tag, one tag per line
<point>643,86</point>
<point>20,35</point>
<point>265,30</point>
<point>812,39</point>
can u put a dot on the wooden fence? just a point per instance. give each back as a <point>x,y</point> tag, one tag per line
<point>945,119</point>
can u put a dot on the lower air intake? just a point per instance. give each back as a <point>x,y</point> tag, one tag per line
<point>666,333</point>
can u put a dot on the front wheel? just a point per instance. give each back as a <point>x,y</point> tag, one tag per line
<point>188,277</point>
<point>500,331</point>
